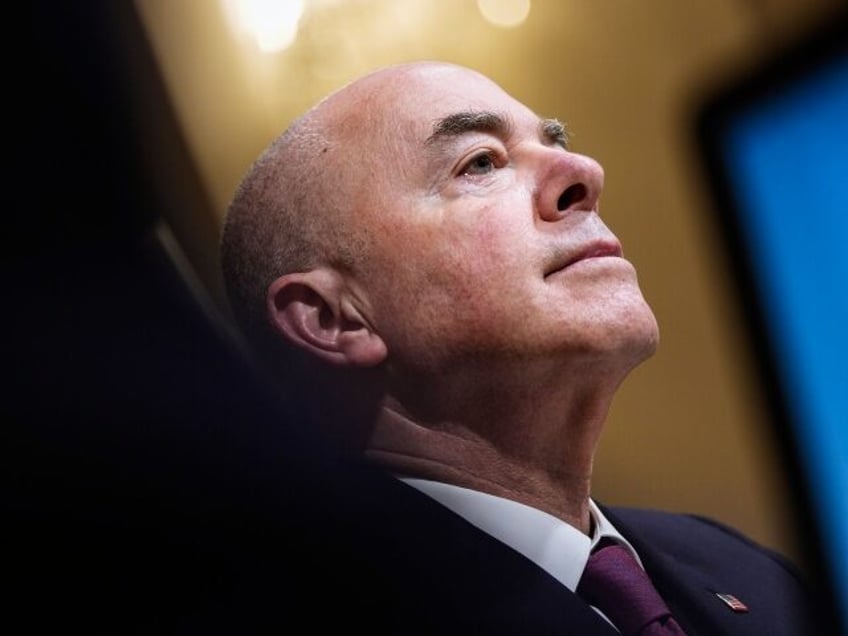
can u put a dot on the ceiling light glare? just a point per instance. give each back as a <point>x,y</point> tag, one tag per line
<point>504,13</point>
<point>271,23</point>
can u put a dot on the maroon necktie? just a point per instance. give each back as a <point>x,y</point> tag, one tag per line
<point>615,583</point>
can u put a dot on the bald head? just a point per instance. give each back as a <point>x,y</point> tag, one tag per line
<point>298,205</point>
<point>277,221</point>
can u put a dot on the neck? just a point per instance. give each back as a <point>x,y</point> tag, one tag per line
<point>531,441</point>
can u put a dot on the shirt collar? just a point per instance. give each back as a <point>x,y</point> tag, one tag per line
<point>557,547</point>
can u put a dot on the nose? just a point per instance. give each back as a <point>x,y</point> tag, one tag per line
<point>568,182</point>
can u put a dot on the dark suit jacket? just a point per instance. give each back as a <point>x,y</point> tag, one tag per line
<point>390,560</point>
<point>338,551</point>
<point>442,575</point>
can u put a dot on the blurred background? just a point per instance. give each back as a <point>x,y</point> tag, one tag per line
<point>137,121</point>
<point>628,78</point>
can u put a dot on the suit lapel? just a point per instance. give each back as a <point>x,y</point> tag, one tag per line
<point>689,571</point>
<point>686,590</point>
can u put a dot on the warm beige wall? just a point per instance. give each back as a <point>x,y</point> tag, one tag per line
<point>624,75</point>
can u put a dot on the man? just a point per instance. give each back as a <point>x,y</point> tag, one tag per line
<point>429,249</point>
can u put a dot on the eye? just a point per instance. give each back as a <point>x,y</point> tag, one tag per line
<point>481,164</point>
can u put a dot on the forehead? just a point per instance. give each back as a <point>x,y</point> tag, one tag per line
<point>420,101</point>
<point>398,109</point>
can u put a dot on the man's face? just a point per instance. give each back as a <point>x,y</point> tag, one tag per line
<point>484,240</point>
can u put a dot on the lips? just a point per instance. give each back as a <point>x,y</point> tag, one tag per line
<point>596,249</point>
<point>599,250</point>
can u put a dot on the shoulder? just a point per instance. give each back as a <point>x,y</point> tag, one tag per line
<point>680,526</point>
<point>693,535</point>
<point>688,554</point>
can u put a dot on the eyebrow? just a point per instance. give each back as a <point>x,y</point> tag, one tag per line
<point>464,122</point>
<point>555,132</point>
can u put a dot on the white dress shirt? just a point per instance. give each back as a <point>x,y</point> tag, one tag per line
<point>555,546</point>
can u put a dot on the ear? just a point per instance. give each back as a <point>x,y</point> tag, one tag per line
<point>309,310</point>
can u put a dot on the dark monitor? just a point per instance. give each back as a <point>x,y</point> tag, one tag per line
<point>775,149</point>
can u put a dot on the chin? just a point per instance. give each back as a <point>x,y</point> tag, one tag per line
<point>640,336</point>
<point>628,333</point>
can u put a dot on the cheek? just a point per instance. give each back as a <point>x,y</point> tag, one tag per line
<point>480,264</point>
<point>504,255</point>
<point>442,290</point>
<point>452,281</point>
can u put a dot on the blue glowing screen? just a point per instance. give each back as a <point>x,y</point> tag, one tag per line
<point>787,159</point>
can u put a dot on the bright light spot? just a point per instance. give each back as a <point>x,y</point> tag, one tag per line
<point>271,23</point>
<point>504,13</point>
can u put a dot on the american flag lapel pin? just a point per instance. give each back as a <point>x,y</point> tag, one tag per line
<point>732,602</point>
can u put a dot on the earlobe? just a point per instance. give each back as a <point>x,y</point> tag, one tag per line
<point>307,309</point>
<point>362,347</point>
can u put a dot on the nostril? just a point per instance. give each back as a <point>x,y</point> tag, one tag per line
<point>572,195</point>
